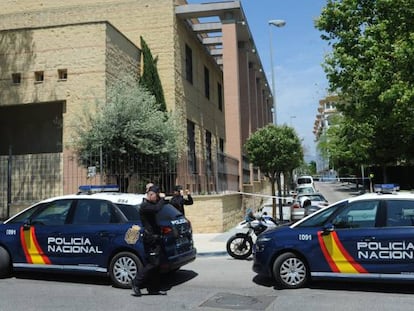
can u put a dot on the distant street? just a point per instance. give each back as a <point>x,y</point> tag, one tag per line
<point>335,191</point>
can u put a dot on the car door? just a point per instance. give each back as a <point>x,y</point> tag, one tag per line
<point>85,240</point>
<point>392,250</point>
<point>352,227</point>
<point>35,233</point>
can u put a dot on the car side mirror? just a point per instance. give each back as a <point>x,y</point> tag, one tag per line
<point>327,229</point>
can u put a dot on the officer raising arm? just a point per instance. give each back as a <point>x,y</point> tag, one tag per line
<point>178,200</point>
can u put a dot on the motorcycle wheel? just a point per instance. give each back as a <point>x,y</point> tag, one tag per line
<point>239,246</point>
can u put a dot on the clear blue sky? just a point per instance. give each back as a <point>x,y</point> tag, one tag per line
<point>298,53</point>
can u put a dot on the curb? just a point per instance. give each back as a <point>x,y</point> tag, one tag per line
<point>212,254</point>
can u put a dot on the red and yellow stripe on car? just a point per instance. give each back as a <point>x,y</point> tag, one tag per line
<point>336,255</point>
<point>32,250</point>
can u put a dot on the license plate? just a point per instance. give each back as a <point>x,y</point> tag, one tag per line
<point>181,241</point>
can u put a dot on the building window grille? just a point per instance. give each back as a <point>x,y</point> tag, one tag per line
<point>209,160</point>
<point>192,160</point>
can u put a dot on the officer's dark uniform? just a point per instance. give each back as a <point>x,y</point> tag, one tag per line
<point>149,276</point>
<point>178,201</point>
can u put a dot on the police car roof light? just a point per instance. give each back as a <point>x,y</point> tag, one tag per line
<point>98,188</point>
<point>386,188</point>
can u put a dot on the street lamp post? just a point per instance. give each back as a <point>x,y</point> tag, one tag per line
<point>277,23</point>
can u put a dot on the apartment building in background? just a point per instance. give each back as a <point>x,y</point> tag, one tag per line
<point>58,58</point>
<point>326,110</point>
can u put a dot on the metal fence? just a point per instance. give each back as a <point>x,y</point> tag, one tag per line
<point>25,179</point>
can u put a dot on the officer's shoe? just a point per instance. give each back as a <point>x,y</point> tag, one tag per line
<point>157,292</point>
<point>136,290</point>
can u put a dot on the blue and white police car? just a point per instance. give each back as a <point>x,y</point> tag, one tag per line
<point>95,233</point>
<point>368,237</point>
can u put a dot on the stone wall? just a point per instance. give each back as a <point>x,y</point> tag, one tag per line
<point>220,213</point>
<point>215,213</point>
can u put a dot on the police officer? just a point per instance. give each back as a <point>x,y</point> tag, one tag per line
<point>178,200</point>
<point>149,276</point>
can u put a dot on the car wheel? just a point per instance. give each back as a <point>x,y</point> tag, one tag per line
<point>123,269</point>
<point>290,271</point>
<point>5,264</point>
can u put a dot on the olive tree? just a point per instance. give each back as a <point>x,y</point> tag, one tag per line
<point>275,150</point>
<point>129,123</point>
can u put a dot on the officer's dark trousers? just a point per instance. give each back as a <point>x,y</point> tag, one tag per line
<point>149,276</point>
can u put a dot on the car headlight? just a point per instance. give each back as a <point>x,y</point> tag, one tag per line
<point>263,239</point>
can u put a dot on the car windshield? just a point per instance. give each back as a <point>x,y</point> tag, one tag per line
<point>305,190</point>
<point>168,212</point>
<point>304,180</point>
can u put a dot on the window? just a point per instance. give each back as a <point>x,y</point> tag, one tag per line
<point>220,96</point>
<point>400,213</point>
<point>39,76</point>
<point>92,212</point>
<point>188,64</point>
<point>360,214</point>
<point>206,82</point>
<point>16,78</point>
<point>192,163</point>
<point>54,214</point>
<point>221,145</point>
<point>62,74</point>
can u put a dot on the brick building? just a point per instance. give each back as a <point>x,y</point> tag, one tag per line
<point>56,58</point>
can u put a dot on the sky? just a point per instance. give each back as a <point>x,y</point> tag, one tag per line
<point>298,53</point>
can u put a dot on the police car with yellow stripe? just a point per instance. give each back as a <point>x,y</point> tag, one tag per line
<point>368,237</point>
<point>97,233</point>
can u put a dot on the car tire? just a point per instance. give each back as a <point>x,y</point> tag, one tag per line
<point>123,268</point>
<point>290,271</point>
<point>5,263</point>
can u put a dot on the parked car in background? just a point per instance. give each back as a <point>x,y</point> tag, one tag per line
<point>91,234</point>
<point>304,180</point>
<point>298,211</point>
<point>367,237</point>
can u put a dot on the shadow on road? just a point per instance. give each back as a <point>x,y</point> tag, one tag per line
<point>357,286</point>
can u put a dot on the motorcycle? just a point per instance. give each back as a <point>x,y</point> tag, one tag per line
<point>240,245</point>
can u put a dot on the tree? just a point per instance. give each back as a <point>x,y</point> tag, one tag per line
<point>371,68</point>
<point>275,150</point>
<point>346,143</point>
<point>128,124</point>
<point>150,78</point>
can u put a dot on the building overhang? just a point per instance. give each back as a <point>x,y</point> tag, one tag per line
<point>206,21</point>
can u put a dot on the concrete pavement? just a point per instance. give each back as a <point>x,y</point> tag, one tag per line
<point>212,244</point>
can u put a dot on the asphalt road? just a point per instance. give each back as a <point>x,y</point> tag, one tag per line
<point>209,283</point>
<point>336,191</point>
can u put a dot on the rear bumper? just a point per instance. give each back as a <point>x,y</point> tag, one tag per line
<point>174,263</point>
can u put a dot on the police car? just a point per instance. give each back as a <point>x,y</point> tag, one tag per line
<point>368,237</point>
<point>96,233</point>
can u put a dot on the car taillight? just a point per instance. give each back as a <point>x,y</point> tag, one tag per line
<point>166,230</point>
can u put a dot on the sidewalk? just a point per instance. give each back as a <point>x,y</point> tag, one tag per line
<point>212,244</point>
